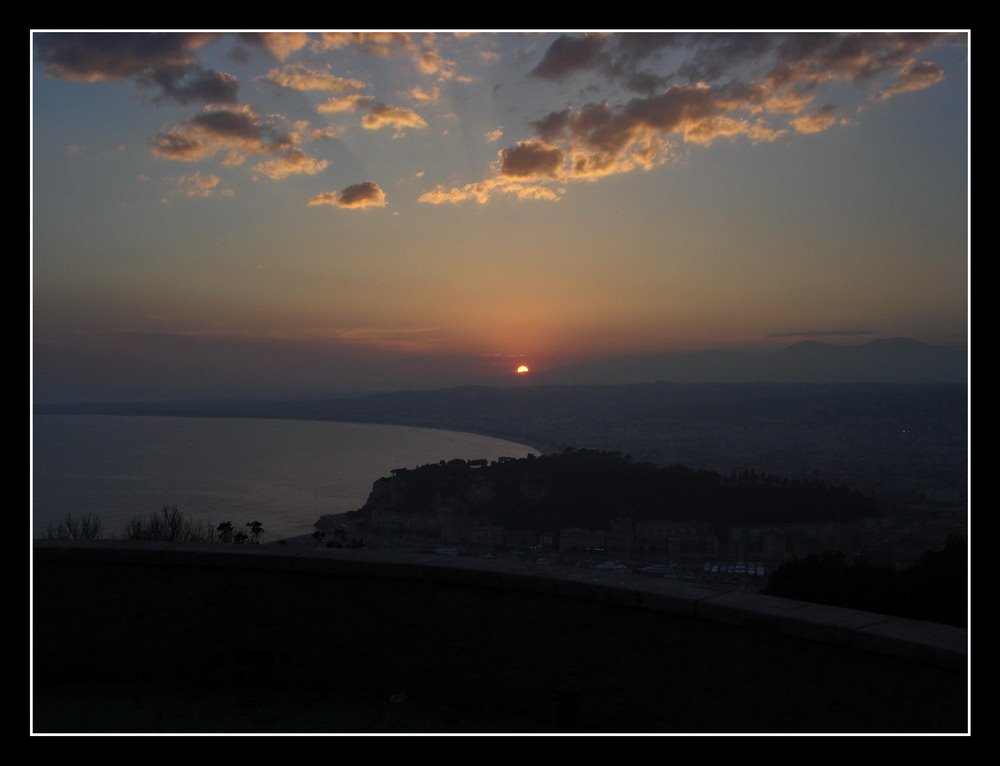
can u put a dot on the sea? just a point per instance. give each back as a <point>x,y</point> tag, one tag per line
<point>283,473</point>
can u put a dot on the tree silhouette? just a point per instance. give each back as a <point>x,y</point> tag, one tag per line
<point>256,530</point>
<point>225,532</point>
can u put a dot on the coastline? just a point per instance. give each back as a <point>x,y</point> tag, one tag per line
<point>542,448</point>
<point>283,472</point>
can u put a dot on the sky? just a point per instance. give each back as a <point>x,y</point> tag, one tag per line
<point>306,213</point>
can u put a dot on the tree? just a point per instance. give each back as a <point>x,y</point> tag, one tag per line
<point>225,532</point>
<point>256,530</point>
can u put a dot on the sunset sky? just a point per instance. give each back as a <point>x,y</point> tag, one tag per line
<point>258,214</point>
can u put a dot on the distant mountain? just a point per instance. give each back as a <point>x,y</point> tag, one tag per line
<point>890,360</point>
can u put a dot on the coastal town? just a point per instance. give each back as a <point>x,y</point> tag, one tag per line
<point>456,522</point>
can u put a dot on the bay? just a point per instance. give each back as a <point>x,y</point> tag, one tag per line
<point>282,473</point>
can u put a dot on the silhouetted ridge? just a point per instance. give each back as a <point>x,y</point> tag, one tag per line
<point>590,488</point>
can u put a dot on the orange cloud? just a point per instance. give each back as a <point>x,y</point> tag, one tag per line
<point>914,76</point>
<point>382,44</point>
<point>482,191</point>
<point>301,77</point>
<point>823,118</point>
<point>292,162</point>
<point>421,96</point>
<point>387,115</point>
<point>345,104</point>
<point>328,132</point>
<point>598,140</point>
<point>197,185</point>
<point>424,54</point>
<point>280,44</point>
<point>362,195</point>
<point>495,135</point>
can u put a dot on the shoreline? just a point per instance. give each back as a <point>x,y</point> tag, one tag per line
<point>44,513</point>
<point>541,448</point>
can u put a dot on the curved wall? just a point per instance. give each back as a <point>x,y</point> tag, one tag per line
<point>573,649</point>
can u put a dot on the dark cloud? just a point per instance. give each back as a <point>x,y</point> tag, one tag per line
<point>362,195</point>
<point>568,55</point>
<point>198,85</point>
<point>530,159</point>
<point>790,60</point>
<point>230,123</point>
<point>239,55</point>
<point>617,57</point>
<point>714,55</point>
<point>807,60</point>
<point>236,129</point>
<point>164,60</point>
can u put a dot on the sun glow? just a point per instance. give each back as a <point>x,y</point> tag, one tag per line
<point>522,369</point>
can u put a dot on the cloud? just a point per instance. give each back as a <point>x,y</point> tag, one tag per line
<point>789,64</point>
<point>530,159</point>
<point>423,54</point>
<point>914,76</point>
<point>197,185</point>
<point>163,60</point>
<point>382,44</point>
<point>240,132</point>
<point>387,115</point>
<point>489,56</point>
<point>811,59</point>
<point>568,55</point>
<point>616,57</point>
<point>421,96</point>
<point>351,103</point>
<point>199,85</point>
<point>96,56</point>
<point>328,132</point>
<point>598,139</point>
<point>292,162</point>
<point>281,45</point>
<point>362,195</point>
<point>302,77</point>
<point>236,128</point>
<point>482,191</point>
<point>823,118</point>
<point>495,135</point>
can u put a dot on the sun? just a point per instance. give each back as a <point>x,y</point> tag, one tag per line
<point>522,369</point>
